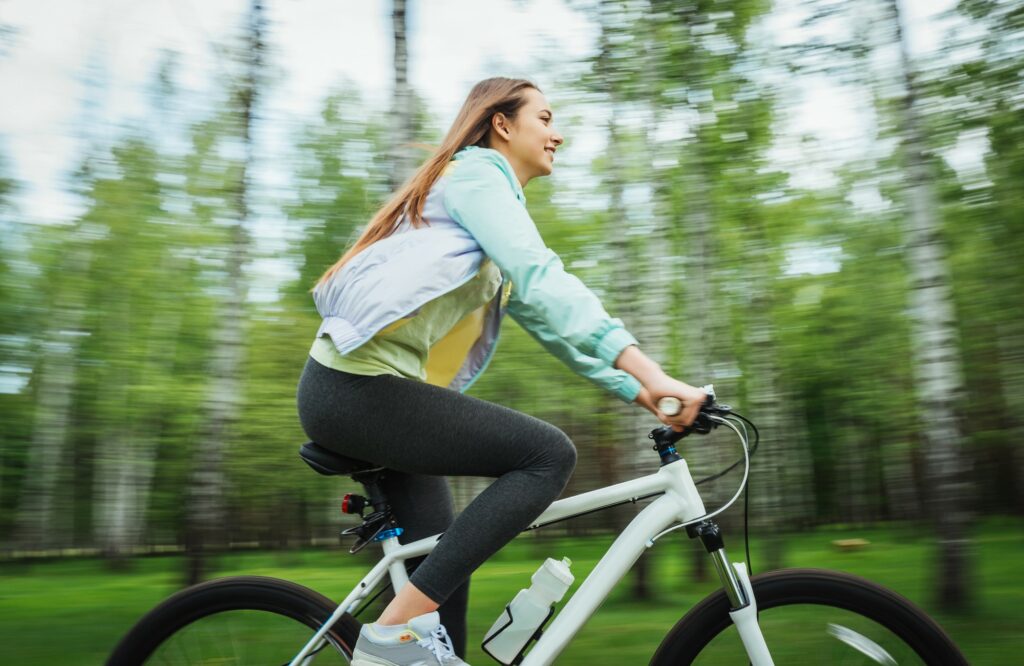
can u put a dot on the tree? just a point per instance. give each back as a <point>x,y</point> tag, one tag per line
<point>53,383</point>
<point>402,110</point>
<point>937,369</point>
<point>207,483</point>
<point>980,91</point>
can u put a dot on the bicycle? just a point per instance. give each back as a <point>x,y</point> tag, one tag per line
<point>787,615</point>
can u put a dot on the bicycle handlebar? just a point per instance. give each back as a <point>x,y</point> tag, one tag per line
<point>671,406</point>
<point>702,425</point>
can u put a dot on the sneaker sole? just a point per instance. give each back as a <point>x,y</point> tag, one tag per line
<point>364,659</point>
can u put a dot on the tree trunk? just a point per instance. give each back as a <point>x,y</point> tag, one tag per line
<point>36,522</point>
<point>402,109</point>
<point>112,502</point>
<point>652,329</point>
<point>697,368</point>
<point>623,300</point>
<point>939,382</point>
<point>128,453</point>
<point>766,405</point>
<point>1011,369</point>
<point>36,516</point>
<point>629,297</point>
<point>207,480</point>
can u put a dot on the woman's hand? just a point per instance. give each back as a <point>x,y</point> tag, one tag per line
<point>664,386</point>
<point>655,385</point>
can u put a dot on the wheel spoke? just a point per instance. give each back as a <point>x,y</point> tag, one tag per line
<point>861,643</point>
<point>833,636</point>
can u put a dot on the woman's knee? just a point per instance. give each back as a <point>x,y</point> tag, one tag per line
<point>561,453</point>
<point>570,453</point>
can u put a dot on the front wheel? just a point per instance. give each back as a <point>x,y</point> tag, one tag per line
<point>237,620</point>
<point>812,616</point>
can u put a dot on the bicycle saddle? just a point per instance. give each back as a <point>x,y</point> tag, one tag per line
<point>329,463</point>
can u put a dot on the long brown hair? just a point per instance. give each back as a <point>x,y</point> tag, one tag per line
<point>488,97</point>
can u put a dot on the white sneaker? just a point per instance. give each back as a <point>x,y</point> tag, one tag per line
<point>422,641</point>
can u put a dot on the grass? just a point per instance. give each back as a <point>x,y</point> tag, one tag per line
<point>72,612</point>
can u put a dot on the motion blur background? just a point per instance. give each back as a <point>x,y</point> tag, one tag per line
<point>815,205</point>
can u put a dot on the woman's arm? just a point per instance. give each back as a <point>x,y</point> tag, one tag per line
<point>554,304</point>
<point>655,385</point>
<point>615,381</point>
<point>479,197</point>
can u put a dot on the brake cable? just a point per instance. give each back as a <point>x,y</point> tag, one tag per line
<point>709,422</point>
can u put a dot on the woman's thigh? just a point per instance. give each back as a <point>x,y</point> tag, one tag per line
<point>422,503</point>
<point>417,428</point>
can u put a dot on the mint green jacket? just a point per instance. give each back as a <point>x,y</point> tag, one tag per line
<point>477,210</point>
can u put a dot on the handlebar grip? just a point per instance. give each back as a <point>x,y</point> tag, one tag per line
<point>670,406</point>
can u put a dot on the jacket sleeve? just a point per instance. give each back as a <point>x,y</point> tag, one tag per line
<point>554,303</point>
<point>620,383</point>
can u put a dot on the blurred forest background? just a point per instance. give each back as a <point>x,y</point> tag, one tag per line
<point>871,328</point>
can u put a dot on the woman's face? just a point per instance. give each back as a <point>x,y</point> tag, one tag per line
<point>530,141</point>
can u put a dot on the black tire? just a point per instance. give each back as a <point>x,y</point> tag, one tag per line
<point>903,623</point>
<point>287,607</point>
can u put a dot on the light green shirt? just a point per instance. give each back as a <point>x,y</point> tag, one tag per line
<point>476,208</point>
<point>403,348</point>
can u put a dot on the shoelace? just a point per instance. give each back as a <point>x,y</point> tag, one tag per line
<point>440,644</point>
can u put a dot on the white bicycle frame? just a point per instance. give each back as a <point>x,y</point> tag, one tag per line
<point>679,503</point>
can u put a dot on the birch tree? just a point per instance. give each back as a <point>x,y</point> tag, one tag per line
<point>402,110</point>
<point>12,327</point>
<point>135,317</point>
<point>54,376</point>
<point>206,515</point>
<point>937,369</point>
<point>982,94</point>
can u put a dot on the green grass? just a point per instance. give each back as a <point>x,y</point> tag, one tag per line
<point>72,612</point>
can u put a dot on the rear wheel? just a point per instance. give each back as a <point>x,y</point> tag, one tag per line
<point>237,620</point>
<point>812,616</point>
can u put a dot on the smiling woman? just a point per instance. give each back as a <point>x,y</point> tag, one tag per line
<point>530,143</point>
<point>411,316</point>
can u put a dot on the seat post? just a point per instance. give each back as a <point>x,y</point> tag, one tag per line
<point>371,481</point>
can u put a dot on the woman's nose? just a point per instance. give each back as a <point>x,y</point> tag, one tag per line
<point>557,139</point>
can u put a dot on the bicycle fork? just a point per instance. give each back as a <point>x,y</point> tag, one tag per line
<point>738,590</point>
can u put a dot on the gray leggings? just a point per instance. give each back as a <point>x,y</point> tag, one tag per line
<point>422,433</point>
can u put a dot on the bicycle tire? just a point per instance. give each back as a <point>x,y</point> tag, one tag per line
<point>796,587</point>
<point>284,600</point>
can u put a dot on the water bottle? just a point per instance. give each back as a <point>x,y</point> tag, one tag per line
<point>528,611</point>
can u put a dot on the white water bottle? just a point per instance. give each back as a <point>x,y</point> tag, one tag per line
<point>525,614</point>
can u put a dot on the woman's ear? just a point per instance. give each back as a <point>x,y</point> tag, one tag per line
<point>500,124</point>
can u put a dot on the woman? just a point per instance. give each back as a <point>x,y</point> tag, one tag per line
<point>411,314</point>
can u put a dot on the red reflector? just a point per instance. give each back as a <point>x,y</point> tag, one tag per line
<point>345,503</point>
